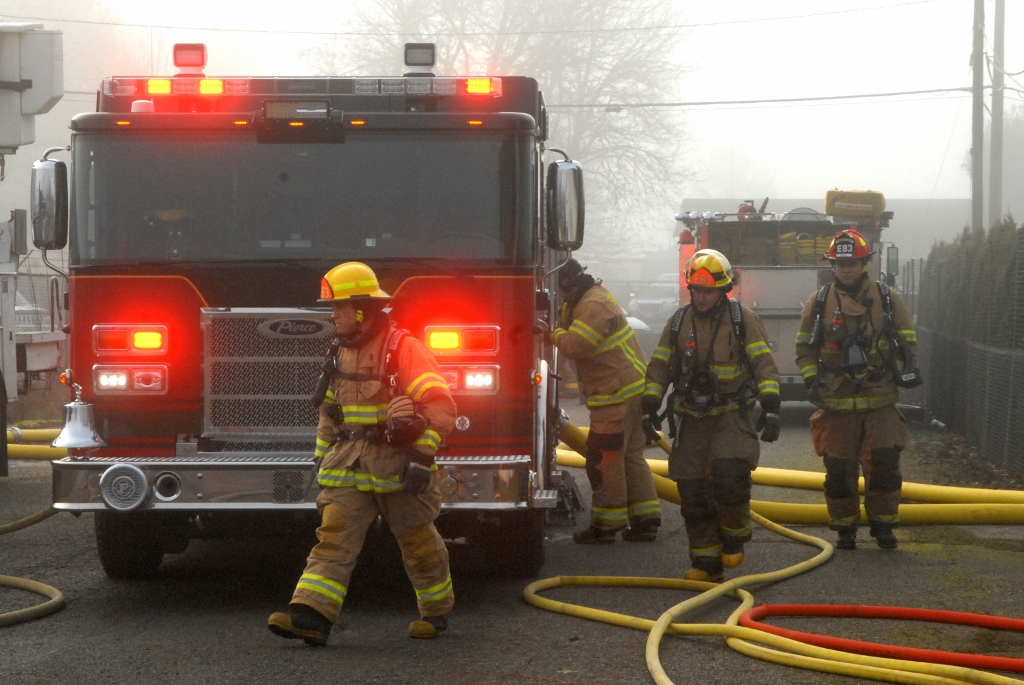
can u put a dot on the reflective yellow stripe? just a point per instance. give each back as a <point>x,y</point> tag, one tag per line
<point>612,340</point>
<point>321,447</point>
<point>583,330</point>
<point>608,515</point>
<point>436,593</point>
<point>715,551</point>
<point>656,389</point>
<point>557,333</point>
<point>324,586</point>
<point>365,413</point>
<point>768,387</point>
<point>331,397</point>
<point>364,482</point>
<point>887,518</point>
<point>631,390</point>
<point>858,403</point>
<point>637,363</point>
<point>845,522</point>
<point>661,353</point>
<point>729,372</point>
<point>738,532</point>
<point>425,382</point>
<point>909,335</point>
<point>756,349</point>
<point>430,439</point>
<point>803,338</point>
<point>651,506</point>
<point>338,287</point>
<point>809,371</point>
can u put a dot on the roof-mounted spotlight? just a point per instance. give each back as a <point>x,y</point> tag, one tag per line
<point>420,59</point>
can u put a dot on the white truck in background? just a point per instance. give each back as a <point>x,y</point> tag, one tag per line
<point>779,260</point>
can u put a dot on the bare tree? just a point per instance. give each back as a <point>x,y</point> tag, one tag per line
<point>610,55</point>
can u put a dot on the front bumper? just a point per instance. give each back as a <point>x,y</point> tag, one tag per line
<point>261,481</point>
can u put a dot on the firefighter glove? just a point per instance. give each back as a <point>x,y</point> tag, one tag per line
<point>403,423</point>
<point>769,424</point>
<point>650,404</point>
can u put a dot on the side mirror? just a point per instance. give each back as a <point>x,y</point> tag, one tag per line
<point>49,204</point>
<point>892,260</point>
<point>565,205</point>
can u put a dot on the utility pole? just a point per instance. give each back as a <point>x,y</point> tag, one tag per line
<point>978,120</point>
<point>995,175</point>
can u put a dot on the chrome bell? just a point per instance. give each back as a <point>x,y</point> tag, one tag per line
<point>78,431</point>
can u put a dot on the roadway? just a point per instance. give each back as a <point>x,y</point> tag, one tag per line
<point>203,618</point>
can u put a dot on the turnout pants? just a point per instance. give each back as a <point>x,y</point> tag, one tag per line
<point>621,480</point>
<point>853,441</point>
<point>711,463</point>
<point>346,515</point>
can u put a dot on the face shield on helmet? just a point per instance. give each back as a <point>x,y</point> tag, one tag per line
<point>709,269</point>
<point>351,281</point>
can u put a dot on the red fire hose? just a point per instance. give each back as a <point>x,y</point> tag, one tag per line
<point>751,617</point>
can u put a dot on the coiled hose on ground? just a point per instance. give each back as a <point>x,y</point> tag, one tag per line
<point>996,507</point>
<point>16,450</point>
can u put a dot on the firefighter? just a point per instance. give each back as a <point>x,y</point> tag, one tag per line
<point>385,412</point>
<point>850,331</point>
<point>715,355</point>
<point>593,332</point>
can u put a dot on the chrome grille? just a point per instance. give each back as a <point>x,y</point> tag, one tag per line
<point>257,385</point>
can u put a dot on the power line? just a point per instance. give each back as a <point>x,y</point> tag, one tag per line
<point>667,27</point>
<point>638,105</point>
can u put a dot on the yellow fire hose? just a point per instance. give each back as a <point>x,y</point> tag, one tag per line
<point>793,653</point>
<point>17,450</point>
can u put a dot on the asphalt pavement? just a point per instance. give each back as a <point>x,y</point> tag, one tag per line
<point>203,618</point>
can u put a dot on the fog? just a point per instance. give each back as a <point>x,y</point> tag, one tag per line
<point>908,147</point>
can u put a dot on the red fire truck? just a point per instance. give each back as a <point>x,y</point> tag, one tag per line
<point>204,212</point>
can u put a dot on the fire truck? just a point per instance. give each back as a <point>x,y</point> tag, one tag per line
<point>203,213</point>
<point>779,260</point>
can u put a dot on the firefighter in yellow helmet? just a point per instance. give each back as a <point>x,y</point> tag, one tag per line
<point>855,346</point>
<point>384,410</point>
<point>714,353</point>
<point>593,332</point>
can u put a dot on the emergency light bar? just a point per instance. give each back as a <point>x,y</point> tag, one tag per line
<point>420,54</point>
<point>190,55</point>
<point>196,85</point>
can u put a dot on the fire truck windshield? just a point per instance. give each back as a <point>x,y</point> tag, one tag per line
<point>222,196</point>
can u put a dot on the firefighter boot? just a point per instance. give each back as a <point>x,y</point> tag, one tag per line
<point>847,538</point>
<point>644,531</point>
<point>300,622</point>
<point>732,554</point>
<point>593,536</point>
<point>883,536</point>
<point>428,627</point>
<point>707,569</point>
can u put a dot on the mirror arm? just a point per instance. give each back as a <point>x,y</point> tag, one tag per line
<point>54,266</point>
<point>567,258</point>
<point>54,149</point>
<point>559,151</point>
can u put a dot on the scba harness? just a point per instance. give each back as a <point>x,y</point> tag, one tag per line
<point>698,382</point>
<point>329,370</point>
<point>899,362</point>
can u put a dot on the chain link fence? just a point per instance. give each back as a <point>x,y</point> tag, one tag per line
<point>968,300</point>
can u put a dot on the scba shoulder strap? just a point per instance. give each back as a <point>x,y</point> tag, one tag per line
<point>391,359</point>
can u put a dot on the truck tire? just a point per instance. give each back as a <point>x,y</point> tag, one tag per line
<point>514,545</point>
<point>129,545</point>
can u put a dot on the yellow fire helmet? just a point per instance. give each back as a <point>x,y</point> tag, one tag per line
<point>709,269</point>
<point>351,281</point>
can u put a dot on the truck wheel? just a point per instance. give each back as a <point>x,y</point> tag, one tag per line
<point>514,546</point>
<point>128,544</point>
